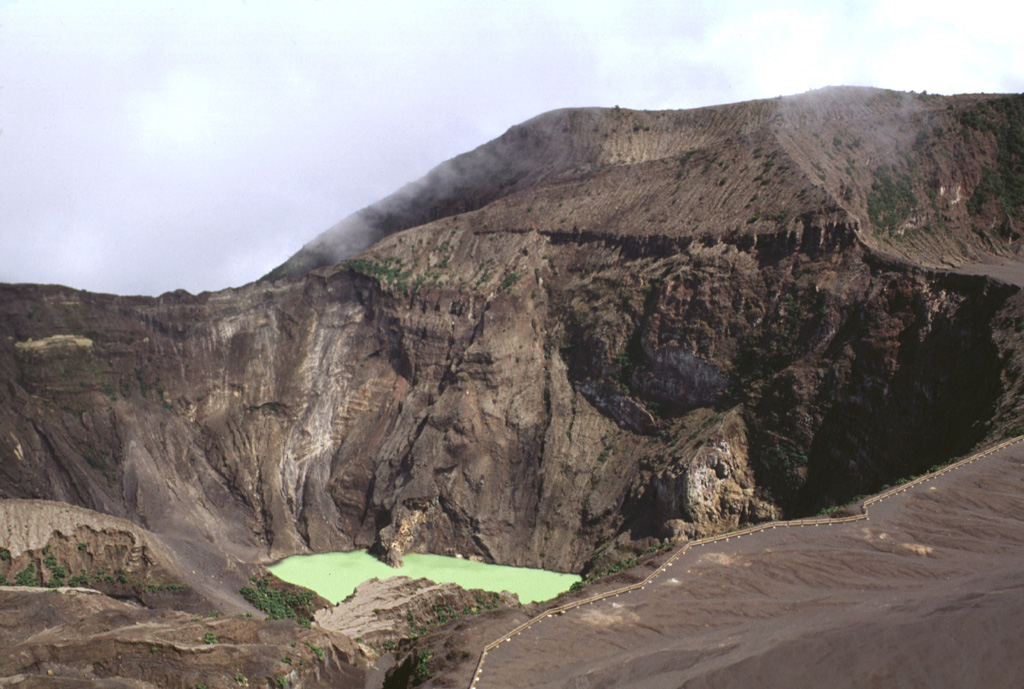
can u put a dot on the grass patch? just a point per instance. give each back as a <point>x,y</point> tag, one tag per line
<point>279,604</point>
<point>891,199</point>
<point>80,579</point>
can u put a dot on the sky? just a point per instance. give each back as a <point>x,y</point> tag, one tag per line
<point>151,146</point>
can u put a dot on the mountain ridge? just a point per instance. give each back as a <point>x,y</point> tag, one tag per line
<point>605,330</point>
<point>491,171</point>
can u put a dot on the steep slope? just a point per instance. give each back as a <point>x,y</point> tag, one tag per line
<point>604,329</point>
<point>898,167</point>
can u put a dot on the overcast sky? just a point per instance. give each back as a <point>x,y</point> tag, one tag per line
<point>149,146</point>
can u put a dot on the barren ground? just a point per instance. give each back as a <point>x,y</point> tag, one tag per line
<point>1007,270</point>
<point>928,592</point>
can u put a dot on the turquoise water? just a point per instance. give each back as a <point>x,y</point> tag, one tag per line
<point>336,575</point>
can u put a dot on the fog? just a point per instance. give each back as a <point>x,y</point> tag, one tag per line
<point>151,146</point>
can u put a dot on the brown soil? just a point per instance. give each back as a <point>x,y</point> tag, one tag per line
<point>78,637</point>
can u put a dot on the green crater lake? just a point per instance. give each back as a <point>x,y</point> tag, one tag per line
<point>336,575</point>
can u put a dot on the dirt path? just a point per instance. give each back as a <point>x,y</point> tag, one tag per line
<point>927,592</point>
<point>1007,270</point>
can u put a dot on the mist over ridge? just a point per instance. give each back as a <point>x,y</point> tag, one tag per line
<point>570,143</point>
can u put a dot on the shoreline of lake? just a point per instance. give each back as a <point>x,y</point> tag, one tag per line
<point>336,575</point>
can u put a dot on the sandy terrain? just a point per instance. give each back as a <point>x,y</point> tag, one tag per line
<point>929,592</point>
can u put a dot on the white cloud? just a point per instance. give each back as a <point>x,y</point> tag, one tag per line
<point>158,145</point>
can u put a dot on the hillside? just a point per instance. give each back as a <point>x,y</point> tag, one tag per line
<point>605,329</point>
<point>899,168</point>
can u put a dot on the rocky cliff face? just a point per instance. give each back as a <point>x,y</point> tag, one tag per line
<point>606,328</point>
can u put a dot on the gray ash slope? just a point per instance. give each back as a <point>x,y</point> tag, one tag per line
<point>927,592</point>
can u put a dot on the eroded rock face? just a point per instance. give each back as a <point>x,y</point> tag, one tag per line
<point>678,377</point>
<point>517,424</point>
<point>384,613</point>
<point>51,544</point>
<point>685,321</point>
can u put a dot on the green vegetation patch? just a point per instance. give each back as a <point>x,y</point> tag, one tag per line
<point>421,670</point>
<point>386,271</point>
<point>784,464</point>
<point>891,199</point>
<point>317,651</point>
<point>615,568</point>
<point>510,280</point>
<point>279,604</point>
<point>444,613</point>
<point>80,579</point>
<point>27,576</point>
<point>1003,118</point>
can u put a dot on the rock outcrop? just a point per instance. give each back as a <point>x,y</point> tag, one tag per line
<point>606,328</point>
<point>384,613</point>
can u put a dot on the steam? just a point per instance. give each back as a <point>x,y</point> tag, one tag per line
<point>540,147</point>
